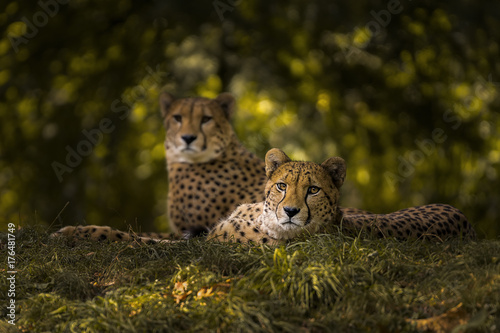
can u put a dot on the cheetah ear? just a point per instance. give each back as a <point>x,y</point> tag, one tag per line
<point>227,102</point>
<point>166,101</point>
<point>336,168</point>
<point>274,158</point>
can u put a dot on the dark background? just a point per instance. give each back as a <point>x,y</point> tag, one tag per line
<point>407,92</point>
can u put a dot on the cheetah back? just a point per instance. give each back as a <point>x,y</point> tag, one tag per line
<point>434,221</point>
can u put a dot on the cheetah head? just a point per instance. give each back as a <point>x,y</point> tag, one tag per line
<point>300,196</point>
<point>197,129</point>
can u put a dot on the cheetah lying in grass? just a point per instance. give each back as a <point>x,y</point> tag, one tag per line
<point>302,198</point>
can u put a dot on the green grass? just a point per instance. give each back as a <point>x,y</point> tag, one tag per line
<point>320,283</point>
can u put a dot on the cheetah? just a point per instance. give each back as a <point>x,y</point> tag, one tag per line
<point>302,198</point>
<point>210,172</point>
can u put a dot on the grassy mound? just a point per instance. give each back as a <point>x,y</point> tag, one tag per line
<point>321,283</point>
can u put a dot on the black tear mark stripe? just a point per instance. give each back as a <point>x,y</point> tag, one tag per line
<point>204,146</point>
<point>308,220</point>
<point>278,204</point>
<point>308,174</point>
<point>202,115</point>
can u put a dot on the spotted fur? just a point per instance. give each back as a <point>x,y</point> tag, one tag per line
<point>435,221</point>
<point>302,197</point>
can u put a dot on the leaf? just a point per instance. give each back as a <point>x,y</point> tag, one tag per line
<point>205,292</point>
<point>181,286</point>
<point>180,292</point>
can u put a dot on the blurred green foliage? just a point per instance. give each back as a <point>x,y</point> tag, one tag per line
<point>406,92</point>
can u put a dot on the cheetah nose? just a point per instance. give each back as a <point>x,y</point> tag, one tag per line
<point>291,211</point>
<point>188,138</point>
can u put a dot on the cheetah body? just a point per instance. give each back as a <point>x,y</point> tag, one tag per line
<point>291,209</point>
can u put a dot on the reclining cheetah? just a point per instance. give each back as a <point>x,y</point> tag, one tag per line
<point>210,172</point>
<point>302,197</point>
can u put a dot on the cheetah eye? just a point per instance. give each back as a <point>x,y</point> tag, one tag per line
<point>313,190</point>
<point>178,118</point>
<point>205,119</point>
<point>281,186</point>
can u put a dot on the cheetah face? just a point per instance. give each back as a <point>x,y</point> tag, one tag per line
<point>197,129</point>
<point>300,196</point>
